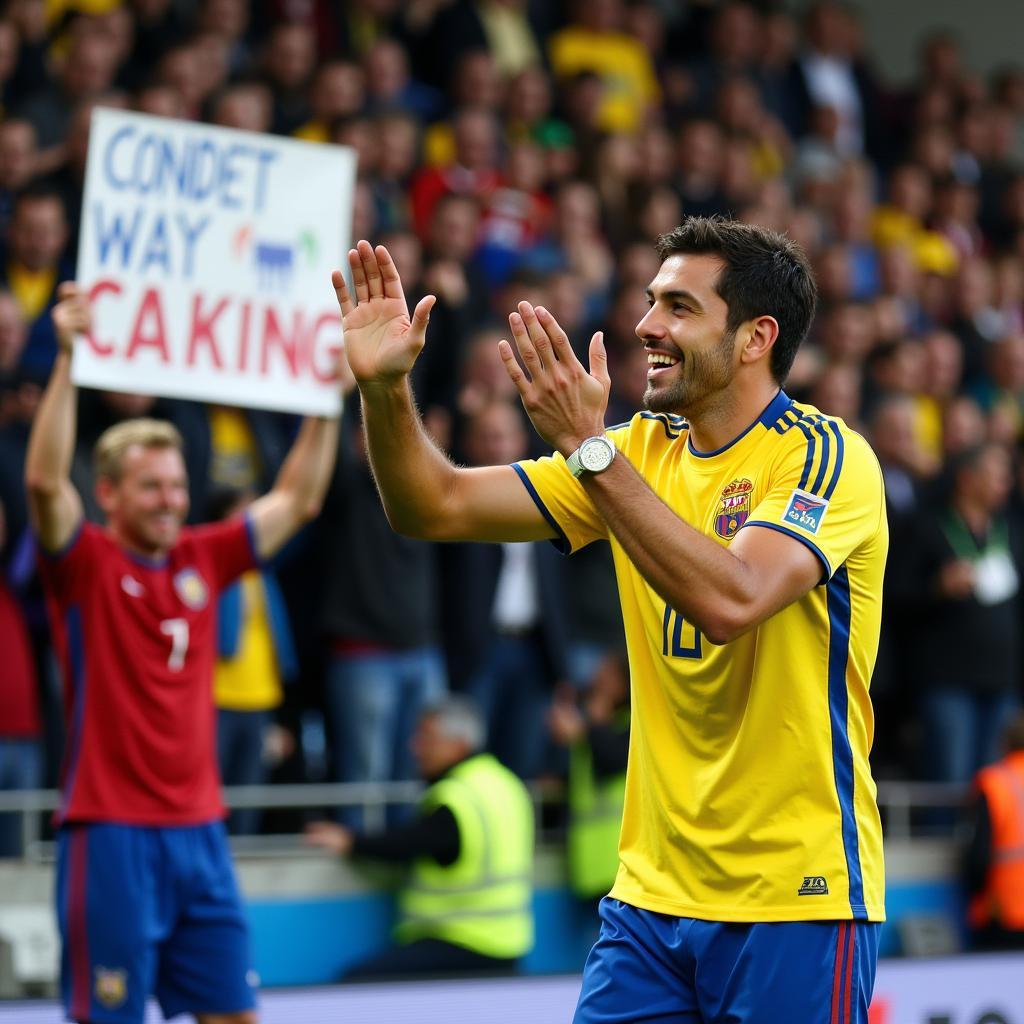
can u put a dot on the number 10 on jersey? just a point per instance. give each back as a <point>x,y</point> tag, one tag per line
<point>679,638</point>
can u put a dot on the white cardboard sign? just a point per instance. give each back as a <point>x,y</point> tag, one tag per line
<point>207,254</point>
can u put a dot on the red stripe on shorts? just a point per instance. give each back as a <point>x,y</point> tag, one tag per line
<point>78,932</point>
<point>837,973</point>
<point>848,1016</point>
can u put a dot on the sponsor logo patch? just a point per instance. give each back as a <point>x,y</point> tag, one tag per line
<point>191,588</point>
<point>111,987</point>
<point>805,510</point>
<point>733,508</point>
<point>814,885</point>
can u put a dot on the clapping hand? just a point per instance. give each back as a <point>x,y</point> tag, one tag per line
<point>565,403</point>
<point>381,340</point>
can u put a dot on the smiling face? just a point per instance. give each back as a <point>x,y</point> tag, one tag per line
<point>148,502</point>
<point>690,350</point>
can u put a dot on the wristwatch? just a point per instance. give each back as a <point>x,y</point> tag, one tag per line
<point>594,455</point>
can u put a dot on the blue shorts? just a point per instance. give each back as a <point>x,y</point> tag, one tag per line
<point>661,969</point>
<point>150,911</point>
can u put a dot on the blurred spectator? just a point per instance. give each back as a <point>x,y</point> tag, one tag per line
<point>19,400</point>
<point>69,179</point>
<point>179,69</point>
<point>473,171</point>
<point>994,861</point>
<point>962,577</point>
<point>510,30</point>
<point>246,105</point>
<point>576,242</point>
<point>975,319</point>
<point>9,51</point>
<point>466,907</point>
<point>159,26</point>
<point>833,75</point>
<point>963,427</point>
<point>17,163</point>
<point>504,612</point>
<point>87,71</point>
<point>732,52</point>
<point>290,61</point>
<point>596,731</point>
<point>391,87</point>
<point>337,92</point>
<point>255,659</point>
<point>907,471</point>
<point>380,616</point>
<point>229,21</point>
<point>161,99</point>
<point>32,266</point>
<point>21,763</point>
<point>594,41</point>
<point>700,154</point>
<point>397,138</point>
<point>516,214</point>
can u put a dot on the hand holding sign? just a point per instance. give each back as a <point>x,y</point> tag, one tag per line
<point>382,342</point>
<point>71,316</point>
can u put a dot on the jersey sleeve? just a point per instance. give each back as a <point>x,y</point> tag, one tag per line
<point>562,501</point>
<point>825,491</point>
<point>64,572</point>
<point>228,548</point>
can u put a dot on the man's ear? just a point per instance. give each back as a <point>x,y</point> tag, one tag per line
<point>761,335</point>
<point>104,491</point>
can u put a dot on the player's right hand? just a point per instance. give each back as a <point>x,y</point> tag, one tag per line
<point>71,315</point>
<point>381,341</point>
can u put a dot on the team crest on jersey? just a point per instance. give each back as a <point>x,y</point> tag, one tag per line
<point>111,987</point>
<point>191,588</point>
<point>734,509</point>
<point>805,510</point>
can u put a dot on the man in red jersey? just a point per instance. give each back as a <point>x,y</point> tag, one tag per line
<point>147,901</point>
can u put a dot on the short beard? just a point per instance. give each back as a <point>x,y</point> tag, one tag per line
<point>709,372</point>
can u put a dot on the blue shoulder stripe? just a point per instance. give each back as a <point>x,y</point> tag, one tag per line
<point>840,446</point>
<point>812,445</point>
<point>819,428</point>
<point>671,429</point>
<point>816,427</point>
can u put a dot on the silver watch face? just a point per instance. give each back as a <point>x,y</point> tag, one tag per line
<point>596,454</point>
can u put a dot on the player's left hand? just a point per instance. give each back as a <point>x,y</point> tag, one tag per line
<point>329,836</point>
<point>565,403</point>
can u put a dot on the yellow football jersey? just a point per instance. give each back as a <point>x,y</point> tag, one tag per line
<point>749,796</point>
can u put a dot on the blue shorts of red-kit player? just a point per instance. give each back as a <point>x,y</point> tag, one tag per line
<point>677,970</point>
<point>150,911</point>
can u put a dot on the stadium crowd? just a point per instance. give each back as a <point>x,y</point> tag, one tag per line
<point>522,149</point>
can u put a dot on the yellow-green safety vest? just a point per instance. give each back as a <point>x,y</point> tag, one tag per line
<point>484,900</point>
<point>595,819</point>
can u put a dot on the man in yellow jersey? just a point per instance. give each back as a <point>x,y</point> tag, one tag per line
<point>749,538</point>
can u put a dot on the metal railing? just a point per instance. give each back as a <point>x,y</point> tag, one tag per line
<point>904,806</point>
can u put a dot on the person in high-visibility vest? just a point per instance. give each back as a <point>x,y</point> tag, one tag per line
<point>994,865</point>
<point>466,906</point>
<point>597,735</point>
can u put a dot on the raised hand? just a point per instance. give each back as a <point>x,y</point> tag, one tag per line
<point>381,340</point>
<point>71,315</point>
<point>565,403</point>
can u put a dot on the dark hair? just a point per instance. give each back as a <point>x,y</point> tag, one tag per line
<point>765,273</point>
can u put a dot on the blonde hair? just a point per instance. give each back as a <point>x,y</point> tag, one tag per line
<point>114,442</point>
